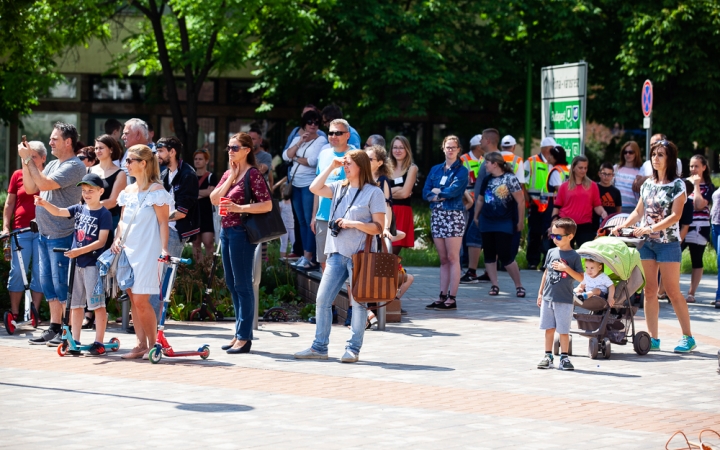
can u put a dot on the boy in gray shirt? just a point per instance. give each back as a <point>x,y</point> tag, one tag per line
<point>555,297</point>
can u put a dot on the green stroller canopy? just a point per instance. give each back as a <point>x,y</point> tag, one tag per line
<point>620,259</point>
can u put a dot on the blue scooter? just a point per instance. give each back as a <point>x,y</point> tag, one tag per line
<point>69,345</point>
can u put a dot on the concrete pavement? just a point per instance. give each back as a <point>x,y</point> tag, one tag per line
<point>456,379</point>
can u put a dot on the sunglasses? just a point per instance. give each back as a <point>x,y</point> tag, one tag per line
<point>164,145</point>
<point>336,133</point>
<point>663,142</point>
<point>628,152</point>
<point>558,237</point>
<point>129,161</point>
<point>82,157</point>
<point>235,148</point>
<point>313,122</point>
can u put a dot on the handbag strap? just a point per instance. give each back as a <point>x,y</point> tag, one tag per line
<point>337,202</point>
<point>202,179</point>
<point>297,164</point>
<point>122,240</point>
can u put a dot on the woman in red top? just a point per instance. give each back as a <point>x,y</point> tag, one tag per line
<point>577,198</point>
<point>237,252</point>
<point>19,211</point>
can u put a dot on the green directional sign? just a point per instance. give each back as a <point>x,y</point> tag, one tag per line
<point>571,144</point>
<point>565,115</point>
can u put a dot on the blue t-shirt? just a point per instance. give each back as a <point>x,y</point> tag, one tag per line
<point>499,210</point>
<point>88,224</point>
<point>324,160</point>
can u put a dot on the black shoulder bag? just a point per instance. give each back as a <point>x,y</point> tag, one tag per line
<point>262,227</point>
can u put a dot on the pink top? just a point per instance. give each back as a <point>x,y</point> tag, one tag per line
<point>237,194</point>
<point>578,204</point>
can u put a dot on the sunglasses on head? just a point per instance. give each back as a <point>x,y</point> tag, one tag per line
<point>336,133</point>
<point>663,142</point>
<point>557,237</point>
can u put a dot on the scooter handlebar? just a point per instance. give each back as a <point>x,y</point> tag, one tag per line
<point>13,233</point>
<point>173,260</point>
<point>61,250</point>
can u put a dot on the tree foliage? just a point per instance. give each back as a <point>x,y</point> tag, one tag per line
<point>33,34</point>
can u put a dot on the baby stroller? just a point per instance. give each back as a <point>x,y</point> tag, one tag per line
<point>604,326</point>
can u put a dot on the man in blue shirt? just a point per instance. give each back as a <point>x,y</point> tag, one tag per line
<point>338,136</point>
<point>332,112</point>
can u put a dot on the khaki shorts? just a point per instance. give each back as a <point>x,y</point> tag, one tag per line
<point>83,287</point>
<point>321,231</point>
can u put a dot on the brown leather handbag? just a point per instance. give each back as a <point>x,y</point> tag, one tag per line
<point>376,275</point>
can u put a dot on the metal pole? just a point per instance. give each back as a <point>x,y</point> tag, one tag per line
<point>647,139</point>
<point>256,275</point>
<point>382,312</point>
<point>528,113</point>
<point>125,314</point>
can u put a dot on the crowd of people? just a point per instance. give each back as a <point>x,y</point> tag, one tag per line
<point>139,199</point>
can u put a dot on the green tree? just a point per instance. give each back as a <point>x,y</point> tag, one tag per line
<point>191,39</point>
<point>33,34</point>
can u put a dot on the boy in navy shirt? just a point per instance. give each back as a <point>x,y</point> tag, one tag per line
<point>93,223</point>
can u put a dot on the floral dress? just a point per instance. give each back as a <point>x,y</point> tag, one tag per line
<point>658,201</point>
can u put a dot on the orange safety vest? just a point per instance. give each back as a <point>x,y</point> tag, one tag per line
<point>537,182</point>
<point>564,172</point>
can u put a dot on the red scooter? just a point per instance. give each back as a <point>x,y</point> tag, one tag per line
<point>162,346</point>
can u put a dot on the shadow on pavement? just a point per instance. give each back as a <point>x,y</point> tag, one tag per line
<point>417,332</point>
<point>607,374</point>
<point>405,367</point>
<point>196,407</point>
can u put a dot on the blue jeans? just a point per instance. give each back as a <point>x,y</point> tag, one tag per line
<point>337,270</point>
<point>237,256</point>
<point>302,202</point>
<point>716,244</point>
<point>30,253</point>
<point>175,247</point>
<point>54,267</point>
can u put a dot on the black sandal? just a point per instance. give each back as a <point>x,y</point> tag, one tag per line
<point>520,292</point>
<point>494,290</point>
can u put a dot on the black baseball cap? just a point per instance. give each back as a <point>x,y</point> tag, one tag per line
<point>93,179</point>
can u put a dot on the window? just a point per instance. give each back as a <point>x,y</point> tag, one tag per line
<point>206,131</point>
<point>207,92</point>
<point>64,90</point>
<point>38,127</point>
<point>272,130</point>
<point>119,89</point>
<point>97,124</point>
<point>239,93</point>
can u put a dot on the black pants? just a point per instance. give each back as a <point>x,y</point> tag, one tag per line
<point>497,245</point>
<point>535,235</point>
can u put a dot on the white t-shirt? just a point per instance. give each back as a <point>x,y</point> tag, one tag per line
<point>646,169</point>
<point>602,282</point>
<point>303,176</point>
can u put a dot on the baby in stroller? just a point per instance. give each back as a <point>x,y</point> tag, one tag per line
<point>595,283</point>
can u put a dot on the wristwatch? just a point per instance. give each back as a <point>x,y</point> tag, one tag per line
<point>27,160</point>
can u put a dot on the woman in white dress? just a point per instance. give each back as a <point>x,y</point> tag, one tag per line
<point>145,242</point>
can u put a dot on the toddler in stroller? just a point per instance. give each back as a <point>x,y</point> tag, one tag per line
<point>611,321</point>
<point>595,283</point>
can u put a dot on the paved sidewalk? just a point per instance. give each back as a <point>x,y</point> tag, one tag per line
<point>460,379</point>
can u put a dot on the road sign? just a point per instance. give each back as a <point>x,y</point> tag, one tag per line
<point>647,98</point>
<point>564,95</point>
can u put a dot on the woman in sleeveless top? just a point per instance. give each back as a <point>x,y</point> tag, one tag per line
<point>402,181</point>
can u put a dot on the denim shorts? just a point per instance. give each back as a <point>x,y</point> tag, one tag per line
<point>473,238</point>
<point>663,253</point>
<point>54,267</point>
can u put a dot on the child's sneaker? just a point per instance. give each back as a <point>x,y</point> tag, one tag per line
<point>565,364</point>
<point>686,344</point>
<point>546,362</point>
<point>75,352</point>
<point>654,344</point>
<point>97,349</point>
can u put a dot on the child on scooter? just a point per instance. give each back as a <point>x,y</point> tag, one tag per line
<point>93,223</point>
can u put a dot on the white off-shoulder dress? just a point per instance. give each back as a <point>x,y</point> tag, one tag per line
<point>143,246</point>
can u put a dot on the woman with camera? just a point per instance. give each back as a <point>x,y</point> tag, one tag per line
<point>357,209</point>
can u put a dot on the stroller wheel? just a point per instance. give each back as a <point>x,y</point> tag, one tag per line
<point>593,348</point>
<point>606,345</point>
<point>641,343</point>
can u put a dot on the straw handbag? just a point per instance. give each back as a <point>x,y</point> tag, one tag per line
<point>376,275</point>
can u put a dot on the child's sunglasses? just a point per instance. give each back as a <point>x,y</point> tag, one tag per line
<point>557,236</point>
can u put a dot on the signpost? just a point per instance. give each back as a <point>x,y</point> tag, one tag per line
<point>564,102</point>
<point>646,99</point>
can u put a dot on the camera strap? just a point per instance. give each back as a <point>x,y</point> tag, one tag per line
<point>338,200</point>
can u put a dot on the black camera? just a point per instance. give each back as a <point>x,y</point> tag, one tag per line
<point>334,228</point>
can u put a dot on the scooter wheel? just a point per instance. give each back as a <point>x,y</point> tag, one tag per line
<point>62,349</point>
<point>34,315</point>
<point>219,316</point>
<point>205,349</point>
<point>115,341</point>
<point>193,316</point>
<point>155,355</point>
<point>7,320</point>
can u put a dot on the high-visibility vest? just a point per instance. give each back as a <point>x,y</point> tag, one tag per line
<point>512,160</point>
<point>473,168</point>
<point>564,172</point>
<point>537,182</point>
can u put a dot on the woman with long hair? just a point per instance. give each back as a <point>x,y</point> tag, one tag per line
<point>147,238</point>
<point>444,189</point>
<point>107,150</point>
<point>357,209</point>
<point>232,195</point>
<point>699,234</point>
<point>206,184</point>
<point>499,213</point>
<point>662,199</point>
<point>402,181</point>
<point>625,173</point>
<point>577,198</point>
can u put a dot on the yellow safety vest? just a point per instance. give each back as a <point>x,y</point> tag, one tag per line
<point>564,172</point>
<point>537,182</point>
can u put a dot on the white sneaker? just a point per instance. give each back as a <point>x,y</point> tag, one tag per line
<point>309,353</point>
<point>300,262</point>
<point>349,357</point>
